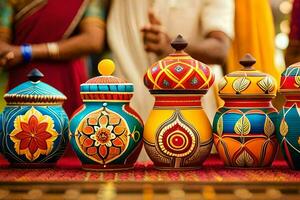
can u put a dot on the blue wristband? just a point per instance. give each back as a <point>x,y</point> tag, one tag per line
<point>26,51</point>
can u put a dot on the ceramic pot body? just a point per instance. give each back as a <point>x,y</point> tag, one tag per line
<point>34,126</point>
<point>244,128</point>
<point>34,136</point>
<point>177,133</point>
<point>244,136</point>
<point>288,120</point>
<point>106,133</point>
<point>288,132</point>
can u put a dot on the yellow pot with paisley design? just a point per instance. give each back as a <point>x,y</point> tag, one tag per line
<point>106,133</point>
<point>178,134</point>
<point>244,128</point>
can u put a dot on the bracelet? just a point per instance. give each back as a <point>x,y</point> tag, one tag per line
<point>26,51</point>
<point>53,50</point>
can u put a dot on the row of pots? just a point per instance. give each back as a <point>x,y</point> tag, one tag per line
<point>107,134</point>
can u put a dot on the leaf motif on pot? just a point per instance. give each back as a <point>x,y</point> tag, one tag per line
<point>297,81</point>
<point>283,128</point>
<point>220,126</point>
<point>269,127</point>
<point>266,84</point>
<point>244,159</point>
<point>242,126</point>
<point>222,83</point>
<point>241,84</point>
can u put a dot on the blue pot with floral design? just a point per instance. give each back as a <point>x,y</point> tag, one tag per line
<point>106,133</point>
<point>34,125</point>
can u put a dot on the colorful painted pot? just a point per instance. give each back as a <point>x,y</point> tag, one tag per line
<point>288,129</point>
<point>34,126</point>
<point>106,133</point>
<point>244,128</point>
<point>178,133</point>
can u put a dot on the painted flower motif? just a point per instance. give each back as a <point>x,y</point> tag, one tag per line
<point>33,135</point>
<point>103,136</point>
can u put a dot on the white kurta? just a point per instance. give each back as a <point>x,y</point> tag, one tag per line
<point>191,18</point>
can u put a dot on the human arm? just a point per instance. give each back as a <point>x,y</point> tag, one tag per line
<point>89,39</point>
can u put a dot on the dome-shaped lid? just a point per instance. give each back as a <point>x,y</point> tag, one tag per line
<point>290,80</point>
<point>247,82</point>
<point>34,92</point>
<point>106,87</point>
<point>178,73</point>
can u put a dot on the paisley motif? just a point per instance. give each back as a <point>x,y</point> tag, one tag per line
<point>176,137</point>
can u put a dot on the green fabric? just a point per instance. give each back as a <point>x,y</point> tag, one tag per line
<point>6,14</point>
<point>3,84</point>
<point>96,8</point>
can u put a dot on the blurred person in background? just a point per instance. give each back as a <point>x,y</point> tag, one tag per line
<point>140,32</point>
<point>292,54</point>
<point>53,36</point>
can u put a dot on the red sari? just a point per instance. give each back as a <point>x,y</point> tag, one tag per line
<point>52,21</point>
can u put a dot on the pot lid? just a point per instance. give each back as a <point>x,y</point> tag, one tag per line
<point>178,72</point>
<point>34,92</point>
<point>290,79</point>
<point>247,82</point>
<point>106,87</point>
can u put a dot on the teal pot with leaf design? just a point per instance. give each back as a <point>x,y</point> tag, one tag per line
<point>288,129</point>
<point>106,133</point>
<point>244,128</point>
<point>34,125</point>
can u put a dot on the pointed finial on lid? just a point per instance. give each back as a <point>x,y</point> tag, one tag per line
<point>247,61</point>
<point>35,75</point>
<point>106,67</point>
<point>179,43</point>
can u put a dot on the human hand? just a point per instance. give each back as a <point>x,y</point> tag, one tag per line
<point>9,55</point>
<point>155,38</point>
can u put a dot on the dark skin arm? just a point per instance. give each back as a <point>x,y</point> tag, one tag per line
<point>89,40</point>
<point>212,50</point>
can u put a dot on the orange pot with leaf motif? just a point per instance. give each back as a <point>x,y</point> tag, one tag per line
<point>244,128</point>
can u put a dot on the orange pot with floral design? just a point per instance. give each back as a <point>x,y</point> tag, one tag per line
<point>34,126</point>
